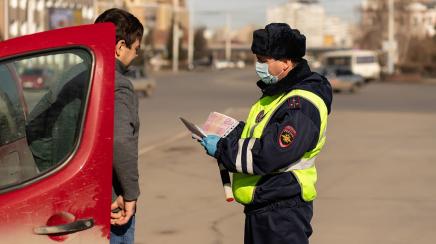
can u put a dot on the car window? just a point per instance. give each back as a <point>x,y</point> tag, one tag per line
<point>33,72</point>
<point>329,71</point>
<point>33,143</point>
<point>343,72</point>
<point>366,59</point>
<point>11,109</point>
<point>339,61</point>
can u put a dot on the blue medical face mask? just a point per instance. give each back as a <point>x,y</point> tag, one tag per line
<point>264,75</point>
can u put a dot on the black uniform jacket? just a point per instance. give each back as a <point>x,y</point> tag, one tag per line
<point>298,118</point>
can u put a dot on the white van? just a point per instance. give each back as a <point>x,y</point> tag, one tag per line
<point>361,62</point>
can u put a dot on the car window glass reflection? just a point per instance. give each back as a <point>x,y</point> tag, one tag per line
<point>42,114</point>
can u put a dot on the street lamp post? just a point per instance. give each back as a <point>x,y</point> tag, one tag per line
<point>191,36</point>
<point>228,37</point>
<point>391,37</point>
<point>30,10</point>
<point>175,35</point>
<point>6,19</point>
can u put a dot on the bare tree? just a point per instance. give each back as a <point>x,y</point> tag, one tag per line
<point>374,25</point>
<point>421,56</point>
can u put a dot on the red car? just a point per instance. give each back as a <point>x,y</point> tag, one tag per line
<point>36,78</point>
<point>56,155</point>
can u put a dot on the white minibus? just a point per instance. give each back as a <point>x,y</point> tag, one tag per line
<point>361,62</point>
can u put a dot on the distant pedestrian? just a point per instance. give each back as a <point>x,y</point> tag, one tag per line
<point>129,33</point>
<point>272,154</point>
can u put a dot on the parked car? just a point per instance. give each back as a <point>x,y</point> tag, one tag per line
<point>143,85</point>
<point>240,64</point>
<point>36,78</point>
<point>223,64</point>
<point>348,76</point>
<point>205,62</point>
<point>63,198</point>
<point>342,79</point>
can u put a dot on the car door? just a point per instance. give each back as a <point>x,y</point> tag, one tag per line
<point>56,142</point>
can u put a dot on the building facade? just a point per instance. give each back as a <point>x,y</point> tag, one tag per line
<point>157,16</point>
<point>21,17</point>
<point>414,18</point>
<point>310,18</point>
<point>422,19</point>
<point>414,26</point>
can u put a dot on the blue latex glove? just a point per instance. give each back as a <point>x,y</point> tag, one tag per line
<point>209,143</point>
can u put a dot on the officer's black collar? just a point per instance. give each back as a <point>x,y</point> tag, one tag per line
<point>296,75</point>
<point>120,67</point>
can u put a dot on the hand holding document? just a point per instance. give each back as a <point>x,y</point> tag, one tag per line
<point>220,125</point>
<point>216,124</point>
<point>197,132</point>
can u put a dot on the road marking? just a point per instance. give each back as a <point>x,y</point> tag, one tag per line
<point>147,149</point>
<point>157,145</point>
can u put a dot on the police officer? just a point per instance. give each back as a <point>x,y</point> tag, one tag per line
<point>272,154</point>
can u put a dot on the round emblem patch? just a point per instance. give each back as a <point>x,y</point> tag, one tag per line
<point>260,116</point>
<point>287,136</point>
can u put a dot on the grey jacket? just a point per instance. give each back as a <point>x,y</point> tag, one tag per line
<point>125,163</point>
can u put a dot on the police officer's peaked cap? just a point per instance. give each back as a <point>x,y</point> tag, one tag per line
<point>279,41</point>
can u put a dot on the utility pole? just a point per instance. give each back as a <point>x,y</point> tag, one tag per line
<point>228,38</point>
<point>30,16</point>
<point>391,37</point>
<point>175,35</point>
<point>6,19</point>
<point>191,36</point>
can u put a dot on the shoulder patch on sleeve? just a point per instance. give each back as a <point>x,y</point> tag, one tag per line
<point>287,136</point>
<point>294,103</point>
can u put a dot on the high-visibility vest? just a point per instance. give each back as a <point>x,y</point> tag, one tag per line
<point>304,169</point>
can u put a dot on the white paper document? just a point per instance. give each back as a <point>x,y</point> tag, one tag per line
<point>216,124</point>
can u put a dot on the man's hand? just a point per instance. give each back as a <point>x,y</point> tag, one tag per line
<point>117,210</point>
<point>127,210</point>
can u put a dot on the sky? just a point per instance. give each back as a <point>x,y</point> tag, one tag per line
<point>243,12</point>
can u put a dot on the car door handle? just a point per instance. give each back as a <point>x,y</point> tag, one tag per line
<point>79,225</point>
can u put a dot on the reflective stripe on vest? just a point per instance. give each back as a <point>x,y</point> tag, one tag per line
<point>304,169</point>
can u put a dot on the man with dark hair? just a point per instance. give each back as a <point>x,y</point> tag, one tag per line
<point>272,154</point>
<point>129,33</point>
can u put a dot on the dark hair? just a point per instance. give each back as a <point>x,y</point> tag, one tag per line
<point>128,27</point>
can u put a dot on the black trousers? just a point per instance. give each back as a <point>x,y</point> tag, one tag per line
<point>284,222</point>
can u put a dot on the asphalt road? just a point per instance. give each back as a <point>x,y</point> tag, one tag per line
<point>376,173</point>
<point>194,95</point>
